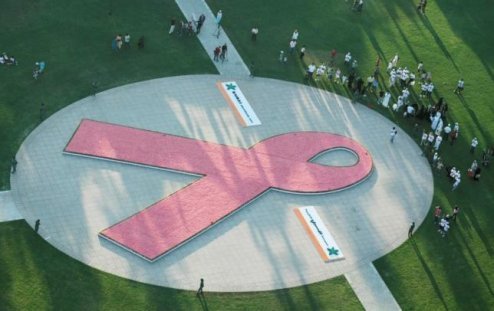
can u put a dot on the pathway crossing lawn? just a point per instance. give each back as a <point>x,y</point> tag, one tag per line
<point>433,273</point>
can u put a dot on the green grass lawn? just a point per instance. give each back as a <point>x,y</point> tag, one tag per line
<point>74,38</point>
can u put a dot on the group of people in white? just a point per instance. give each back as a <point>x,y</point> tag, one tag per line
<point>7,60</point>
<point>405,79</point>
<point>335,74</point>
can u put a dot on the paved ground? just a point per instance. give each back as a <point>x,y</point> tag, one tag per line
<point>261,247</point>
<point>8,210</point>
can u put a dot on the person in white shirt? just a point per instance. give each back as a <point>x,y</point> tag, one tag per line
<point>293,44</point>
<point>456,183</point>
<point>219,16</point>
<point>310,70</point>
<point>423,89</point>
<point>430,89</point>
<point>474,144</point>
<point>395,60</point>
<point>424,138</point>
<point>459,87</point>
<point>393,134</point>
<point>420,67</point>
<point>390,66</point>
<point>348,58</point>
<point>337,76</point>
<point>254,31</point>
<point>320,71</point>
<point>302,52</point>
<point>295,35</point>
<point>447,130</point>
<point>392,78</point>
<point>439,139</point>
<point>456,128</point>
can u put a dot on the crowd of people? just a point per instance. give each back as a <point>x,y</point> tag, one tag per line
<point>415,90</point>
<point>443,221</point>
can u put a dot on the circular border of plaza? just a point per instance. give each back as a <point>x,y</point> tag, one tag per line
<point>263,246</point>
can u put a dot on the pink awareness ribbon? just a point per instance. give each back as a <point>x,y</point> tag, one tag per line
<point>231,177</point>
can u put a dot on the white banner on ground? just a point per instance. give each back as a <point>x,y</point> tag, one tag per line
<point>239,104</point>
<point>323,240</point>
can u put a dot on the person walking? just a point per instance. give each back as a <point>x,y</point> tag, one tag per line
<point>127,41</point>
<point>224,50</point>
<point>424,4</point>
<point>473,145</point>
<point>437,142</point>
<point>459,87</point>
<point>456,210</point>
<point>295,35</point>
<point>360,6</point>
<point>410,230</point>
<point>456,183</point>
<point>253,33</point>
<point>173,22</point>
<point>310,71</point>
<point>216,53</point>
<point>200,22</point>
<point>36,225</point>
<point>119,41</point>
<point>292,46</point>
<point>423,139</point>
<point>42,112</point>
<point>219,16</point>
<point>13,164</point>
<point>348,58</point>
<point>280,58</point>
<point>437,214</point>
<point>421,6</point>
<point>201,287</point>
<point>393,134</point>
<point>302,52</point>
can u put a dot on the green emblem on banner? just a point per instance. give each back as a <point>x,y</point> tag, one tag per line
<point>333,251</point>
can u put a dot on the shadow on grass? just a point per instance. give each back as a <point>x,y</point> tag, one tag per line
<point>475,261</point>
<point>472,219</point>
<point>469,20</point>
<point>474,118</point>
<point>438,41</point>
<point>203,301</point>
<point>428,271</point>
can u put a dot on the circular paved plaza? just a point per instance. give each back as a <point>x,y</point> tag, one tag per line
<point>261,247</point>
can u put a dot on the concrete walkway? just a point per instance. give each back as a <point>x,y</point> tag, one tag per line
<point>8,211</point>
<point>371,289</point>
<point>234,66</point>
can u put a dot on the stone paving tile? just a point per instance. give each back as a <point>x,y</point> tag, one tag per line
<point>261,247</point>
